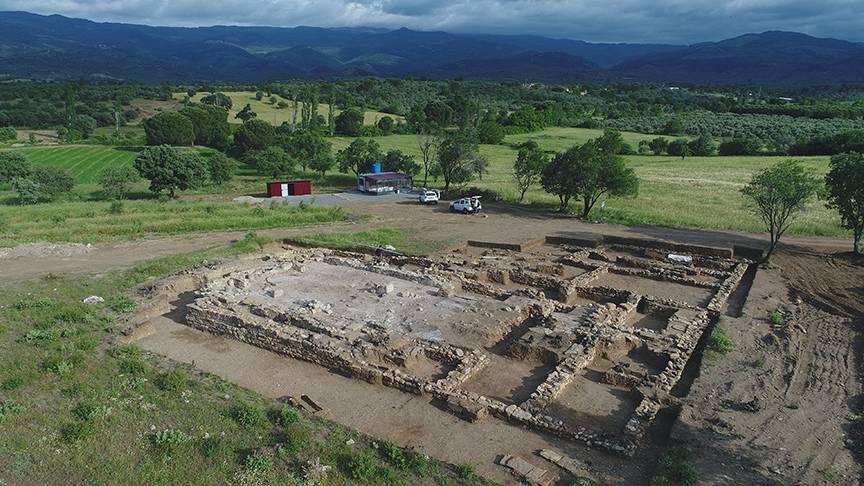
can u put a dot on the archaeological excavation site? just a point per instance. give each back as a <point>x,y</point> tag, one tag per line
<point>585,341</point>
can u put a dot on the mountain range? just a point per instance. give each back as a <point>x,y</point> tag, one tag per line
<point>55,47</point>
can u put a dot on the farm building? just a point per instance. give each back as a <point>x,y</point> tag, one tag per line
<point>381,182</point>
<point>289,188</point>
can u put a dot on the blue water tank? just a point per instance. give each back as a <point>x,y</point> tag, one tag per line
<point>376,168</point>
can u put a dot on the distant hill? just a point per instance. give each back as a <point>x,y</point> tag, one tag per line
<point>767,58</point>
<point>56,47</point>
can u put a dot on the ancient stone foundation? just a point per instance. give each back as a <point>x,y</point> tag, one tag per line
<point>588,326</point>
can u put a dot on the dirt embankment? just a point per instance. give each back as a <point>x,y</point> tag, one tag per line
<point>783,406</point>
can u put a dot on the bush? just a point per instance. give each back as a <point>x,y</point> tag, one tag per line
<point>296,439</point>
<point>172,381</point>
<point>258,463</point>
<point>76,431</point>
<point>89,411</point>
<point>675,469</point>
<point>7,134</point>
<point>350,122</point>
<point>9,407</point>
<point>360,466</point>
<point>248,416</point>
<point>13,166</point>
<point>395,455</point>
<point>288,416</point>
<point>133,365</point>
<point>220,168</point>
<point>720,342</point>
<point>777,319</point>
<point>117,181</point>
<point>43,184</point>
<point>12,383</point>
<point>169,128</point>
<point>466,471</point>
<point>215,448</point>
<point>169,440</point>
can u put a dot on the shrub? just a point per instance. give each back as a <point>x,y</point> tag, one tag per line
<point>12,383</point>
<point>296,439</point>
<point>674,469</point>
<point>173,380</point>
<point>133,365</point>
<point>418,463</point>
<point>288,416</point>
<point>13,166</point>
<point>720,342</point>
<point>214,448</point>
<point>395,455</point>
<point>220,168</point>
<point>9,407</point>
<point>360,466</point>
<point>248,416</point>
<point>169,128</point>
<point>117,181</point>
<point>258,463</point>
<point>169,440</point>
<point>76,431</point>
<point>777,319</point>
<point>90,411</point>
<point>466,471</point>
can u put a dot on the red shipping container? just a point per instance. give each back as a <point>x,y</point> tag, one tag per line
<point>289,188</point>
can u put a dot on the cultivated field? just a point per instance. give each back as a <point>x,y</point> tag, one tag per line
<point>81,162</point>
<point>273,114</point>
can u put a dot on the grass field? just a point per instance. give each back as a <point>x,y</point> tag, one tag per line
<point>560,139</point>
<point>94,221</point>
<point>273,114</point>
<point>81,162</point>
<point>700,192</point>
<point>77,408</point>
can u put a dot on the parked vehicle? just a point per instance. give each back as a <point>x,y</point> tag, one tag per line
<point>429,197</point>
<point>466,205</point>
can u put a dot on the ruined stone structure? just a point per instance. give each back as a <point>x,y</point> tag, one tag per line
<point>583,342</point>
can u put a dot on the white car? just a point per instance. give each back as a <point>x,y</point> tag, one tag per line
<point>429,197</point>
<point>466,205</point>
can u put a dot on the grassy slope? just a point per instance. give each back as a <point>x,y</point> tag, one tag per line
<point>78,409</point>
<point>81,162</point>
<point>273,114</point>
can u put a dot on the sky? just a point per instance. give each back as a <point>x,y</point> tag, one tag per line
<point>662,21</point>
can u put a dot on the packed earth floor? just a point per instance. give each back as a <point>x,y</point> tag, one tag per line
<point>581,340</point>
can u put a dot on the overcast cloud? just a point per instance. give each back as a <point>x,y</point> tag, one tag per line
<point>667,21</point>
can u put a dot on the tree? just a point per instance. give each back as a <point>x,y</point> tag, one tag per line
<point>169,169</point>
<point>702,146</point>
<point>350,122</point>
<point>13,166</point>
<point>612,142</point>
<point>273,100</point>
<point>777,194</point>
<point>674,127</point>
<point>272,162</point>
<point>845,183</point>
<point>589,172</point>
<point>246,114</point>
<point>396,161</point>
<point>306,146</point>
<point>741,146</point>
<point>529,165</point>
<point>490,132</point>
<point>559,178</point>
<point>7,133</point>
<point>438,114</point>
<point>220,168</point>
<point>218,99</point>
<point>169,128</point>
<point>322,163</point>
<point>658,145</point>
<point>254,135</point>
<point>385,124</point>
<point>359,156</point>
<point>209,124</point>
<point>43,184</point>
<point>116,181</point>
<point>457,154</point>
<point>428,143</point>
<point>679,147</point>
<point>85,125</point>
<point>259,95</point>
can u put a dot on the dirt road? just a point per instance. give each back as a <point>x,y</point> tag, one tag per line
<point>499,223</point>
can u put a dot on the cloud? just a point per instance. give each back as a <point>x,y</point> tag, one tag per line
<point>669,21</point>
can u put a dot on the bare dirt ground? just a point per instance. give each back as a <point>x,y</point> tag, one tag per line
<point>783,406</point>
<point>436,224</point>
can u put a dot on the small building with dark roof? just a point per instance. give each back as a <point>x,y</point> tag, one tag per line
<point>383,182</point>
